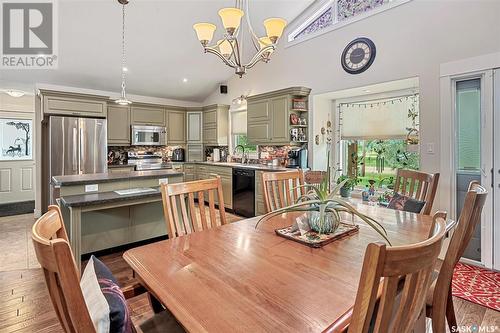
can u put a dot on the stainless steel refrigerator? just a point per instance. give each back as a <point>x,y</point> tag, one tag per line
<point>77,146</point>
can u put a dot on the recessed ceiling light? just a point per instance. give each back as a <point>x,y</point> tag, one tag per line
<point>15,93</point>
<point>125,69</point>
<point>367,90</point>
<point>184,80</point>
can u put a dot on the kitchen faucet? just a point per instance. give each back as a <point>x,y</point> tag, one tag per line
<point>244,158</point>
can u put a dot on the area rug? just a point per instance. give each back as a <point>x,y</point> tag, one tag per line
<point>477,285</point>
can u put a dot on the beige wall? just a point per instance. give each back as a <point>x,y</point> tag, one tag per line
<point>412,40</point>
<point>17,178</point>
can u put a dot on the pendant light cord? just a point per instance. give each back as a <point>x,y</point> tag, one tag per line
<point>123,49</point>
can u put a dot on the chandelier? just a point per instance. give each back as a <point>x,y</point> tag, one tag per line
<point>230,47</point>
<point>123,100</point>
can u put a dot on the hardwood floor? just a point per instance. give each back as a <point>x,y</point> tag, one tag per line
<point>25,304</point>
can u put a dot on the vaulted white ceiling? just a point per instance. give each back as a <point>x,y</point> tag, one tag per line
<point>162,48</point>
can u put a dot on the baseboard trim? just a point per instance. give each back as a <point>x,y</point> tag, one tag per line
<point>17,208</point>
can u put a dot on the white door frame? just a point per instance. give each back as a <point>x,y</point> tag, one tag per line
<point>448,149</point>
<point>496,171</point>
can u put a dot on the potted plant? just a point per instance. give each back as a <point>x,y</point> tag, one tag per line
<point>347,185</point>
<point>323,207</point>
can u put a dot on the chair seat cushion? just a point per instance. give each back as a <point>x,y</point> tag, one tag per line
<point>104,299</point>
<point>403,202</point>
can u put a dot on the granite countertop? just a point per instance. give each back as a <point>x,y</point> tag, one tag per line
<point>90,199</point>
<point>245,166</point>
<point>123,165</point>
<point>95,178</point>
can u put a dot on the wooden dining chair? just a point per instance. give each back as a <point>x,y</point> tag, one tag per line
<point>417,185</point>
<point>281,189</point>
<point>62,277</point>
<point>393,286</point>
<point>439,299</point>
<point>180,211</point>
<point>314,177</point>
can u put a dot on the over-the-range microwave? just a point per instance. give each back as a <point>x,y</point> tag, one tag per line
<point>145,135</point>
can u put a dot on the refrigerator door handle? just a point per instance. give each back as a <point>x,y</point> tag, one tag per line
<point>82,146</point>
<point>76,166</point>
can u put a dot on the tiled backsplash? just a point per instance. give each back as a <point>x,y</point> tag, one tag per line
<point>118,154</point>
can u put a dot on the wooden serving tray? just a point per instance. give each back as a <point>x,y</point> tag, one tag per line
<point>313,239</point>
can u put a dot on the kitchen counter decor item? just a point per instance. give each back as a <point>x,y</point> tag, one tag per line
<point>325,208</point>
<point>299,104</point>
<point>313,238</point>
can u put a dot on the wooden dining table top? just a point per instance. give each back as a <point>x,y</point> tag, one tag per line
<point>238,278</point>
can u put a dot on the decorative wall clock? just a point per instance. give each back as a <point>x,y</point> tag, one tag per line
<point>358,55</point>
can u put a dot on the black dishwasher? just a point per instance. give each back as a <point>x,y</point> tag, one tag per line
<point>244,192</point>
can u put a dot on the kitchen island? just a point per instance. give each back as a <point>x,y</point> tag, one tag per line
<point>107,210</point>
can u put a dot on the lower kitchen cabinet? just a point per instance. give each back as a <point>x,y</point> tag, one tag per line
<point>226,175</point>
<point>260,206</point>
<point>189,172</point>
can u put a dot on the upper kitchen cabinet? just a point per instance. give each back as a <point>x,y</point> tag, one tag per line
<point>147,115</point>
<point>176,126</point>
<point>73,104</point>
<point>269,118</point>
<point>118,125</point>
<point>215,125</point>
<point>194,126</point>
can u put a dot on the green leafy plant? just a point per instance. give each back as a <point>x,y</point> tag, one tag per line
<point>320,198</point>
<point>347,182</point>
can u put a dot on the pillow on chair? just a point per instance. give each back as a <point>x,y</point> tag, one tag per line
<point>104,299</point>
<point>402,202</point>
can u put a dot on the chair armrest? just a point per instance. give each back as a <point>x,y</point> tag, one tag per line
<point>133,290</point>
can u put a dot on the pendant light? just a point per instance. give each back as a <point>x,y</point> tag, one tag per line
<point>123,100</point>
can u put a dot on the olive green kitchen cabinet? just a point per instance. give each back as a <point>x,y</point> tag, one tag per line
<point>194,124</point>
<point>268,115</point>
<point>215,125</point>
<point>73,104</point>
<point>226,175</point>
<point>118,125</point>
<point>147,115</point>
<point>176,127</point>
<point>280,120</point>
<point>189,172</point>
<point>260,206</point>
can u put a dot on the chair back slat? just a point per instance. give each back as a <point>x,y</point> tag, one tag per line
<point>61,274</point>
<point>183,217</point>
<point>406,272</point>
<point>282,189</point>
<point>418,185</point>
<point>470,218</point>
<point>197,226</point>
<point>203,215</point>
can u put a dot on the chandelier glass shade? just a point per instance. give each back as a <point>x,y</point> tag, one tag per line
<point>230,47</point>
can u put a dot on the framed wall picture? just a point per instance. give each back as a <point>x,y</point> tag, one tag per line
<point>299,104</point>
<point>16,139</point>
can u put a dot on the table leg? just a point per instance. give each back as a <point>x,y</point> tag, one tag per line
<point>155,304</point>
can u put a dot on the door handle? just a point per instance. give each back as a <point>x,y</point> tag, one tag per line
<point>81,152</point>
<point>75,147</point>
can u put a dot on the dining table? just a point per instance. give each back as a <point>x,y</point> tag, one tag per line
<point>245,278</point>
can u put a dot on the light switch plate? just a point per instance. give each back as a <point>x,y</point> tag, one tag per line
<point>430,148</point>
<point>92,188</point>
<point>163,181</point>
